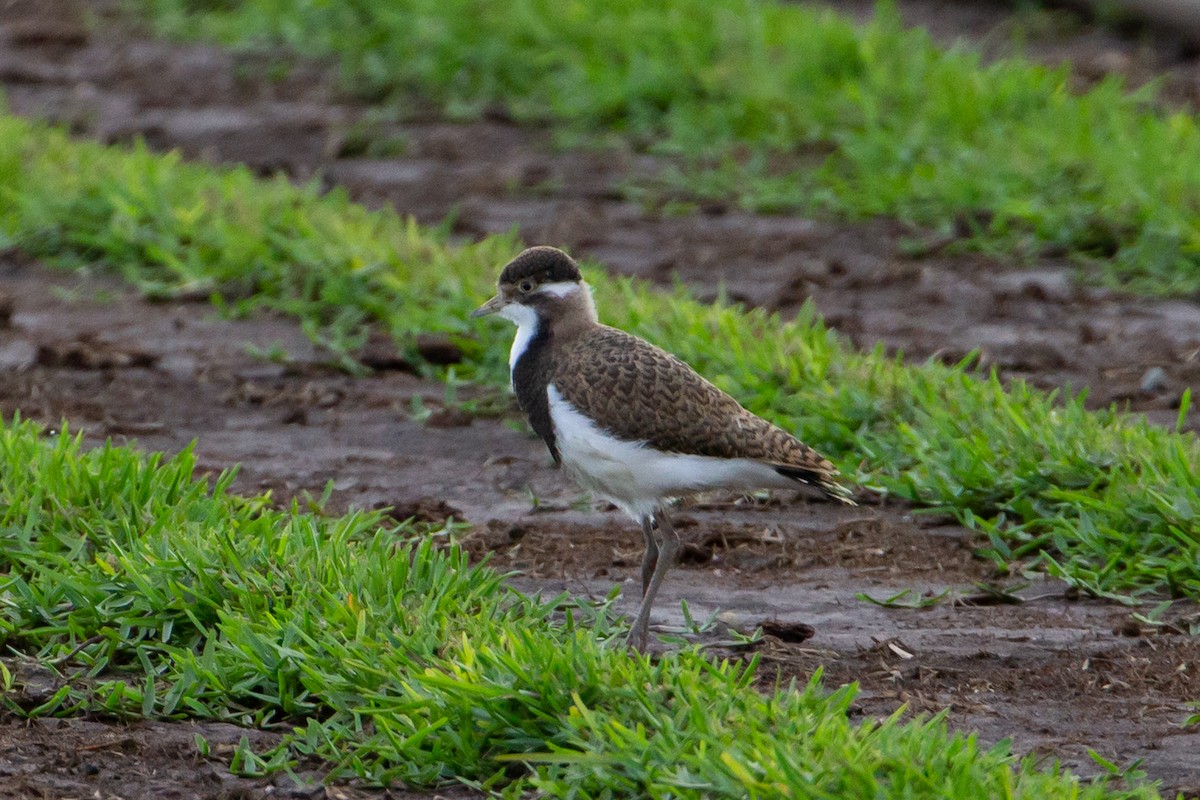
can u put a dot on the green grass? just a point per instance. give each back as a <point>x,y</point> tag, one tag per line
<point>390,659</point>
<point>780,106</point>
<point>1108,502</point>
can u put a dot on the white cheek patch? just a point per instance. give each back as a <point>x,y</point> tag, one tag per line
<point>526,320</point>
<point>560,289</point>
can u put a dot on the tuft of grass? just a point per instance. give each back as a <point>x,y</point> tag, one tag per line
<point>174,230</point>
<point>1107,501</point>
<point>154,594</point>
<point>782,106</point>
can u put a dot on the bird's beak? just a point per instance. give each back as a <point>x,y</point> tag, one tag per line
<point>490,307</point>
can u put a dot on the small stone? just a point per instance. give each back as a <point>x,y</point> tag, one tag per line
<point>17,355</point>
<point>1154,381</point>
<point>329,398</point>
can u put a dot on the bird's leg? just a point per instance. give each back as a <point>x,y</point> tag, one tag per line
<point>666,557</point>
<point>650,557</point>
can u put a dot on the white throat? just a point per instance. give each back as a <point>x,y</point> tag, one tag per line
<point>526,320</point>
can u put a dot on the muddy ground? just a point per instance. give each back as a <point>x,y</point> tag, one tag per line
<point>1056,675</point>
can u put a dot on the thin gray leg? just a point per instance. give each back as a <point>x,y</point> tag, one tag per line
<point>650,557</point>
<point>666,557</point>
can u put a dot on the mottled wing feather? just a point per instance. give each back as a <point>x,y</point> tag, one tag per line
<point>645,394</point>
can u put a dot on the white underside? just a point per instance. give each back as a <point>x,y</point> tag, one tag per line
<point>638,478</point>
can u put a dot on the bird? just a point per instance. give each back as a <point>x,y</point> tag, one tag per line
<point>628,420</point>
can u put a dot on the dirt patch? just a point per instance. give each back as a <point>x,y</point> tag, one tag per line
<point>74,758</point>
<point>77,757</point>
<point>741,539</point>
<point>489,177</point>
<point>1057,675</point>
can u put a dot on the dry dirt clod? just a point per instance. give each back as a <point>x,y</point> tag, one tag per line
<point>425,509</point>
<point>1129,628</point>
<point>449,417</point>
<point>46,23</point>
<point>437,348</point>
<point>790,632</point>
<point>381,355</point>
<point>89,353</point>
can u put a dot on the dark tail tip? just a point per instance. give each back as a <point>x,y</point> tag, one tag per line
<point>821,479</point>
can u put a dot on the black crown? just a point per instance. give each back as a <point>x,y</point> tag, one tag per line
<point>543,264</point>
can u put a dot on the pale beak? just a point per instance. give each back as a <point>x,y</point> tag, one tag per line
<point>490,307</point>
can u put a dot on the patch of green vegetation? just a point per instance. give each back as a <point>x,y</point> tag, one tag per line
<point>158,595</point>
<point>783,106</point>
<point>1109,502</point>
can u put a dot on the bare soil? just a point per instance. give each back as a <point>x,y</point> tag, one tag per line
<point>1056,675</point>
<point>83,758</point>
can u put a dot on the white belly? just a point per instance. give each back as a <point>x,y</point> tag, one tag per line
<point>637,478</point>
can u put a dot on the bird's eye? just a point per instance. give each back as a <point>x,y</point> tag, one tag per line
<point>525,287</point>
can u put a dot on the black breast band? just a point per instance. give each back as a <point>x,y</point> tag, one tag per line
<point>531,377</point>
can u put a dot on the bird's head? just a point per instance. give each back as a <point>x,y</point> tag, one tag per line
<point>542,283</point>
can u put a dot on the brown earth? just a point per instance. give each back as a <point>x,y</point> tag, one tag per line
<point>82,758</point>
<point>1056,675</point>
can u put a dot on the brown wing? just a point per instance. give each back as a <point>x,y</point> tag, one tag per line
<point>646,394</point>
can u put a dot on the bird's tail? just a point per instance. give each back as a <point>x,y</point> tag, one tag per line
<point>822,475</point>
